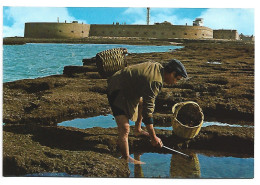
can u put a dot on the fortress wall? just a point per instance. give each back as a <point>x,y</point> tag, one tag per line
<point>226,34</point>
<point>151,31</point>
<point>75,30</point>
<point>56,30</point>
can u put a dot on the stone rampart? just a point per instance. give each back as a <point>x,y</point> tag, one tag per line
<point>226,34</point>
<point>56,30</point>
<point>75,30</point>
<point>151,31</point>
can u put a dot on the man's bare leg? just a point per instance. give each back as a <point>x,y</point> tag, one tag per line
<point>123,132</point>
<point>138,129</point>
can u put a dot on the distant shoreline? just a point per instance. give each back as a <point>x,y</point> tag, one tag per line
<point>110,40</point>
<point>88,40</point>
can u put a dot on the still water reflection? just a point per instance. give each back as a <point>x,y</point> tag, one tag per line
<point>201,166</point>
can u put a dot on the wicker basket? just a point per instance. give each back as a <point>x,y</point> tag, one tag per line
<point>110,61</point>
<point>187,119</point>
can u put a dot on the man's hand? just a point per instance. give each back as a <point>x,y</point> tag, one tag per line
<point>157,142</point>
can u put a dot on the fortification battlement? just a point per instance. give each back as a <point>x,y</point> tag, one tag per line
<point>77,30</point>
<point>162,30</point>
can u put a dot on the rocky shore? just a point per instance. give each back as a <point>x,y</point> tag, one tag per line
<point>221,81</point>
<point>87,40</point>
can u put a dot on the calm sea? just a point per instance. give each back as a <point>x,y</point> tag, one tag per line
<point>39,60</point>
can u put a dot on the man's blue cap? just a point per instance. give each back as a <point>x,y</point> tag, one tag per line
<point>177,66</point>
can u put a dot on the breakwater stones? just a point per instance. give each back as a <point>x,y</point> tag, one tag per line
<point>71,70</point>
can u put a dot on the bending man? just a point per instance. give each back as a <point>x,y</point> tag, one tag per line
<point>134,83</point>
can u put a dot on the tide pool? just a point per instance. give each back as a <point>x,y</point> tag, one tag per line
<point>202,166</point>
<point>173,165</point>
<point>109,122</point>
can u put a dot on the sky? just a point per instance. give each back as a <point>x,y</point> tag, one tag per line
<point>240,19</point>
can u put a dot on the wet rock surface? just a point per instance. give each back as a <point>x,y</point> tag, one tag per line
<point>221,81</point>
<point>94,152</point>
<point>35,149</point>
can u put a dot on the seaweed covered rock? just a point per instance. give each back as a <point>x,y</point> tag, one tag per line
<point>43,149</point>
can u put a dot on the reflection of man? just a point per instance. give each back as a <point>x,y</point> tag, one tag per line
<point>138,171</point>
<point>128,86</point>
<point>183,168</point>
<point>180,167</point>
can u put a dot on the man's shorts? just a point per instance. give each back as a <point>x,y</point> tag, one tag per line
<point>111,98</point>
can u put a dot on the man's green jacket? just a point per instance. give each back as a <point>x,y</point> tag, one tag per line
<point>133,82</point>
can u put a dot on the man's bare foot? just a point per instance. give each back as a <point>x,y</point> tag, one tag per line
<point>133,161</point>
<point>140,132</point>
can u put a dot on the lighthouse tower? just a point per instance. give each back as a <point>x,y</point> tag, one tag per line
<point>148,16</point>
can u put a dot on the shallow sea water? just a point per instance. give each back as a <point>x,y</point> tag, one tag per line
<point>39,60</point>
<point>174,165</point>
<point>202,166</point>
<point>109,122</point>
